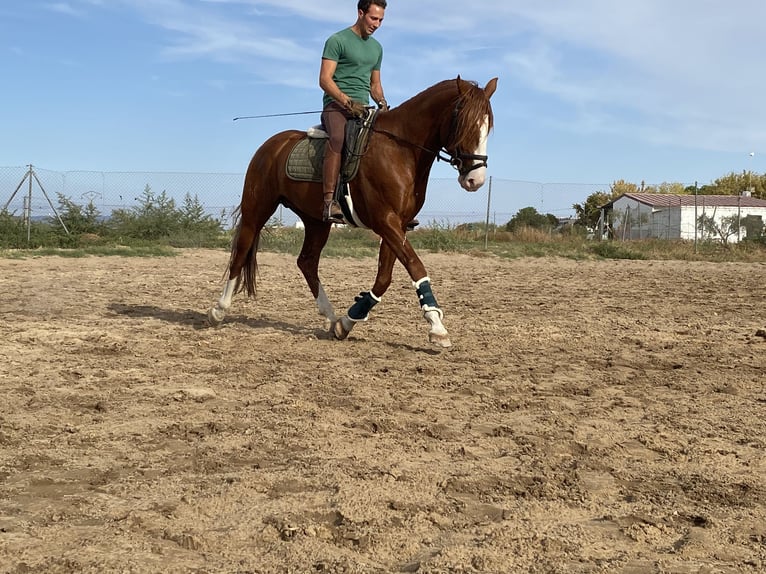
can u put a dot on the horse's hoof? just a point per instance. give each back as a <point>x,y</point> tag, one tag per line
<point>215,316</point>
<point>338,331</point>
<point>439,340</point>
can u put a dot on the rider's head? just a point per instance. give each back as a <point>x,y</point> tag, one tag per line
<point>370,16</point>
<point>364,5</point>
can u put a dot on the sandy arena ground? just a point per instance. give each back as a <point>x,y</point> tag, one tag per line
<point>599,416</point>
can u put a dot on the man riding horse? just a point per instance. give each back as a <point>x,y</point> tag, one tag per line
<point>349,74</point>
<point>449,121</point>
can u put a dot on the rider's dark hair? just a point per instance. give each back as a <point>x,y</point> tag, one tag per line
<point>364,5</point>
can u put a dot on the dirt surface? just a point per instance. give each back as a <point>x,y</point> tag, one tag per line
<point>600,416</point>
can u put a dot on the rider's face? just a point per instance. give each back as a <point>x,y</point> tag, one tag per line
<point>371,20</point>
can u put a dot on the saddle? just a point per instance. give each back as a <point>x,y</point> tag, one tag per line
<point>307,156</point>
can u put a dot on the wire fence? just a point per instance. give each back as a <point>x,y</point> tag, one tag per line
<point>699,221</point>
<point>36,191</point>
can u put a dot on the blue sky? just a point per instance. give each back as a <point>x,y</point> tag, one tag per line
<point>589,91</point>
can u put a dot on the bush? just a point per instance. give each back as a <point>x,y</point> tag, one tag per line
<point>12,231</point>
<point>529,217</point>
<point>436,237</point>
<point>78,219</point>
<point>15,233</point>
<point>612,250</point>
<point>156,218</point>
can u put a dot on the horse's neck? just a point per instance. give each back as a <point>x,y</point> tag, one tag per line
<point>420,120</point>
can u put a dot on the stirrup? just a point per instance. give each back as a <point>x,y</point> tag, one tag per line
<point>332,213</point>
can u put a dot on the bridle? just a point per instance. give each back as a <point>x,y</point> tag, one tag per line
<point>454,158</point>
<point>457,158</point>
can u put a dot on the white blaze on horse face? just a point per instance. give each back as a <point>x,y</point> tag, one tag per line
<point>475,178</point>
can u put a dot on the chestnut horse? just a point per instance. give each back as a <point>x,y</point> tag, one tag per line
<point>453,117</point>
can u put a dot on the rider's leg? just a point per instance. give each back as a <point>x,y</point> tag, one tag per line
<point>330,171</point>
<point>334,121</point>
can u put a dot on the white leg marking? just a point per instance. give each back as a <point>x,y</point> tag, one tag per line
<point>216,314</point>
<point>325,307</point>
<point>438,333</point>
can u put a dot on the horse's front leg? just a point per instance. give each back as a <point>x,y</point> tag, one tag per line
<point>366,300</point>
<point>432,313</point>
<point>390,251</point>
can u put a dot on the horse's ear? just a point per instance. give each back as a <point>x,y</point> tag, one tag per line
<point>490,87</point>
<point>458,80</point>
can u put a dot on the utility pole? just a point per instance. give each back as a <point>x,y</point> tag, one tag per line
<point>29,176</point>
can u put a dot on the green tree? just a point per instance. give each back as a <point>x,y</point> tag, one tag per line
<point>721,230</point>
<point>154,217</point>
<point>736,183</point>
<point>671,188</point>
<point>13,232</point>
<point>621,187</point>
<point>529,217</point>
<point>193,216</point>
<point>589,212</point>
<point>78,219</point>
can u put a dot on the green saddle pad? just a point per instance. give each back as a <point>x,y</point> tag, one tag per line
<point>305,160</point>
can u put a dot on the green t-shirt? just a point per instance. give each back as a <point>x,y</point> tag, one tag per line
<point>356,59</point>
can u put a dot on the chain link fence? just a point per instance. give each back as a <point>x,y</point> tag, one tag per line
<point>35,191</point>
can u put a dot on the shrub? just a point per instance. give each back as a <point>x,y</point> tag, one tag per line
<point>156,218</point>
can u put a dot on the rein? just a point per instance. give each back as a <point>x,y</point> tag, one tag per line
<point>454,159</point>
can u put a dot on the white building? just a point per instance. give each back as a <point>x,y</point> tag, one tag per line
<point>666,216</point>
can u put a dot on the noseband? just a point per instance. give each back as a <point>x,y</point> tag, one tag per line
<point>456,160</point>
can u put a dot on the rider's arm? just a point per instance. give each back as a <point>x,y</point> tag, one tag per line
<point>329,86</point>
<point>376,88</point>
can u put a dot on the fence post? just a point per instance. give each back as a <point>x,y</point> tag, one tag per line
<point>695,217</point>
<point>739,215</point>
<point>486,224</point>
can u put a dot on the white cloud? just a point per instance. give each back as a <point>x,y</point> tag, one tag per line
<point>197,31</point>
<point>667,71</point>
<point>685,72</point>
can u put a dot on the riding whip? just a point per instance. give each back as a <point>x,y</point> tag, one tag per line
<point>275,115</point>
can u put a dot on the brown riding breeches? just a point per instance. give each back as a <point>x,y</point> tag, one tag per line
<point>334,117</point>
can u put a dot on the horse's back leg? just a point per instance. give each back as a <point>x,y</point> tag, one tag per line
<point>243,263</point>
<point>314,239</point>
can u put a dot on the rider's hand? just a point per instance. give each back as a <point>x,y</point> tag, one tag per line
<point>357,109</point>
<point>383,105</point>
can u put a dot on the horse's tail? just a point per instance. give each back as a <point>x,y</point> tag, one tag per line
<point>244,252</point>
<point>259,201</point>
